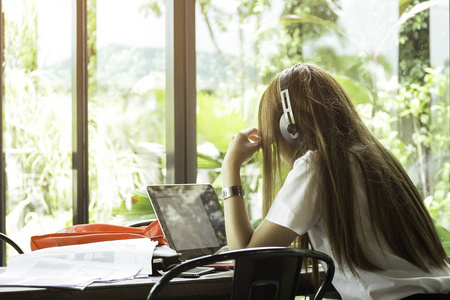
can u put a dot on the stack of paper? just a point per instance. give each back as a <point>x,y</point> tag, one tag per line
<point>78,266</point>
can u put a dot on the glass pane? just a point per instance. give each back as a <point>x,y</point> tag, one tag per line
<point>395,69</point>
<point>126,107</point>
<point>37,126</point>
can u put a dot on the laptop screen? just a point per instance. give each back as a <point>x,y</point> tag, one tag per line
<point>190,216</point>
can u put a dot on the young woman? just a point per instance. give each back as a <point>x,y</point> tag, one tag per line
<point>345,192</point>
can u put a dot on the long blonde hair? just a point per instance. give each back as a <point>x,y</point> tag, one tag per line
<point>330,124</point>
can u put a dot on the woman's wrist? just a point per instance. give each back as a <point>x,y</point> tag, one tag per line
<point>231,175</point>
<point>231,163</point>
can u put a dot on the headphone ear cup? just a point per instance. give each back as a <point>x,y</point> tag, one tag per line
<point>285,132</point>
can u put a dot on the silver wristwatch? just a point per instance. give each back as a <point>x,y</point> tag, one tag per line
<point>231,191</point>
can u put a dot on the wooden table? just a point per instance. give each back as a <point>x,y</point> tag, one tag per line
<point>205,287</point>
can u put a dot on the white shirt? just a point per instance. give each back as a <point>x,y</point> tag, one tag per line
<point>295,208</point>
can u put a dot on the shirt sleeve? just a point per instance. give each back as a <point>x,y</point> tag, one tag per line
<point>295,206</point>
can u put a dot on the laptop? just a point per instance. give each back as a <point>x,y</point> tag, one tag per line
<point>191,218</point>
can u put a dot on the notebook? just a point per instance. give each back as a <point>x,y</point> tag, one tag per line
<point>190,216</point>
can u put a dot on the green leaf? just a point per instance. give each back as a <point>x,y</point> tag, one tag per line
<point>445,238</point>
<point>207,162</point>
<point>356,91</point>
<point>415,106</point>
<point>141,209</point>
<point>295,19</point>
<point>403,5</point>
<point>424,119</point>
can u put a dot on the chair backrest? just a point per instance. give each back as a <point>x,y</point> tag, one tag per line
<point>260,273</point>
<point>6,239</point>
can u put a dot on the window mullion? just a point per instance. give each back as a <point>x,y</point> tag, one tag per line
<point>80,113</point>
<point>181,142</point>
<point>2,154</point>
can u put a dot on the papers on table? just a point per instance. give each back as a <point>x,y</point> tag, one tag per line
<point>78,266</point>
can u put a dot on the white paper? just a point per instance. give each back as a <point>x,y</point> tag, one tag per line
<point>80,265</point>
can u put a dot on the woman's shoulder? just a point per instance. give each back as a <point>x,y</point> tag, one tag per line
<point>311,157</point>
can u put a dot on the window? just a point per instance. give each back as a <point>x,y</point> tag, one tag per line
<point>106,78</point>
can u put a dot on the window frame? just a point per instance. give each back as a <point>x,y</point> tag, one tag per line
<point>181,92</point>
<point>2,156</point>
<point>80,136</point>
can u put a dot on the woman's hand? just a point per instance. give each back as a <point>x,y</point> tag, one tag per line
<point>242,148</point>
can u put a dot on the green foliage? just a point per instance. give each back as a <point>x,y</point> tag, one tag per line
<point>414,45</point>
<point>302,22</point>
<point>21,37</point>
<point>46,166</point>
<point>427,106</point>
<point>120,164</point>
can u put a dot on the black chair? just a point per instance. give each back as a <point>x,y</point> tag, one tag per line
<point>330,294</point>
<point>7,240</point>
<point>259,273</point>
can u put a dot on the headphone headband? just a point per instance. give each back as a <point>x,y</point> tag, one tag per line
<point>285,78</point>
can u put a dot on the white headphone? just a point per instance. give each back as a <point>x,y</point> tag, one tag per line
<point>288,127</point>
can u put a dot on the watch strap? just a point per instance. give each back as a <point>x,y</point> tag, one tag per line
<point>232,191</point>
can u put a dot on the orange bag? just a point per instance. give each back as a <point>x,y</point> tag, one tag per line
<point>90,233</point>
